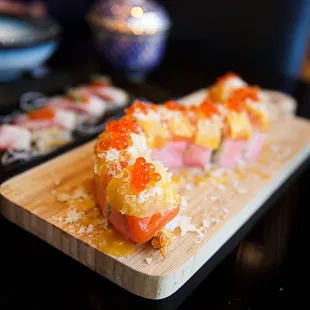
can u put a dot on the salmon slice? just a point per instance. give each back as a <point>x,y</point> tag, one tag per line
<point>140,230</point>
<point>197,156</point>
<point>171,156</point>
<point>255,146</point>
<point>14,137</point>
<point>230,152</point>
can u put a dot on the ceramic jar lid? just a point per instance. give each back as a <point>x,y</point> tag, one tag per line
<point>140,17</point>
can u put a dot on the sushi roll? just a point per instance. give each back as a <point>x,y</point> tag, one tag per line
<point>14,138</point>
<point>132,156</point>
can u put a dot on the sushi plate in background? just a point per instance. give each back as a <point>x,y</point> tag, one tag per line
<point>43,126</point>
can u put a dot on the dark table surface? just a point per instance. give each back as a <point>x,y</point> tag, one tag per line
<point>265,266</point>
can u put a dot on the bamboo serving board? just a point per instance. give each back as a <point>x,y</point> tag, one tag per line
<point>217,206</point>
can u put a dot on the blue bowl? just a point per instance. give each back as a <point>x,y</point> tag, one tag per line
<point>25,43</point>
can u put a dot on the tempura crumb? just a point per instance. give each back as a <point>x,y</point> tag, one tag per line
<point>161,241</point>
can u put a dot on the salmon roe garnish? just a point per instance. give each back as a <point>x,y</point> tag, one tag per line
<point>42,113</point>
<point>139,106</point>
<point>238,97</point>
<point>173,105</point>
<point>209,108</point>
<point>124,124</point>
<point>116,140</point>
<point>143,173</point>
<point>193,108</point>
<point>119,134</point>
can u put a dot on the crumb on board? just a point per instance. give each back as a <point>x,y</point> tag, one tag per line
<point>148,260</point>
<point>241,190</point>
<point>63,197</point>
<point>57,182</point>
<point>73,216</point>
<point>90,228</point>
<point>214,198</point>
<point>206,222</point>
<point>185,224</point>
<point>81,230</point>
<point>189,186</point>
<point>78,193</point>
<point>161,241</point>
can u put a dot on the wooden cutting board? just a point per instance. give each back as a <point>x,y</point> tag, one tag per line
<point>217,206</point>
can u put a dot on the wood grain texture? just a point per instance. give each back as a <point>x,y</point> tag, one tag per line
<point>28,201</point>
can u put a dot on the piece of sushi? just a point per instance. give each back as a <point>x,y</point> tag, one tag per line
<point>142,200</point>
<point>181,130</point>
<point>119,145</point>
<point>257,113</point>
<point>113,96</point>
<point>92,107</point>
<point>150,120</point>
<point>47,117</point>
<point>14,137</point>
<point>172,154</point>
<point>207,137</point>
<point>237,131</point>
<point>133,192</point>
<point>87,101</point>
<point>223,87</point>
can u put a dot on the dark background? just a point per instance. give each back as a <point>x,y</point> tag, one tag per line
<point>242,35</point>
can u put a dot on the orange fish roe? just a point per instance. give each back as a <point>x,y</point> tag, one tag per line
<point>119,134</point>
<point>42,113</point>
<point>139,106</point>
<point>117,140</point>
<point>236,100</point>
<point>124,124</point>
<point>209,108</point>
<point>143,173</point>
<point>226,76</point>
<point>173,105</point>
<point>193,108</point>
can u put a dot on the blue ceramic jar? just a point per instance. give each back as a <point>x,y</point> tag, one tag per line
<point>130,34</point>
